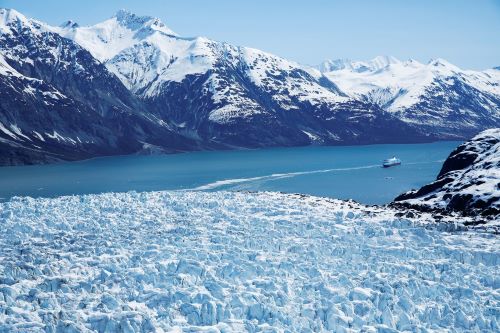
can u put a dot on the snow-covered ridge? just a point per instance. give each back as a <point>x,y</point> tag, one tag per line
<point>106,39</point>
<point>469,181</point>
<point>8,16</point>
<point>397,84</point>
<point>146,58</point>
<point>437,97</point>
<point>238,262</point>
<point>375,64</point>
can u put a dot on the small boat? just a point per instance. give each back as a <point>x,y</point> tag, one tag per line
<point>391,162</point>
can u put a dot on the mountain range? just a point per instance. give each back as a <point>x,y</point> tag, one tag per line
<point>132,85</point>
<point>436,97</point>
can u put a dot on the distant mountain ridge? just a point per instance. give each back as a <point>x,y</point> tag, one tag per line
<point>437,97</point>
<point>375,64</point>
<point>170,93</point>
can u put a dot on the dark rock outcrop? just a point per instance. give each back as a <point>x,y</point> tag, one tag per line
<point>468,183</point>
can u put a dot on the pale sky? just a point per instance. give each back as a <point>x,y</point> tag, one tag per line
<point>464,32</point>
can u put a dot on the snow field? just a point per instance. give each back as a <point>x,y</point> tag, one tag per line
<point>234,262</point>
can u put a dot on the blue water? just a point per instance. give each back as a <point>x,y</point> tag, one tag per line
<point>352,172</point>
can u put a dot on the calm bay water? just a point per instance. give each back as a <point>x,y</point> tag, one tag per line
<point>352,172</point>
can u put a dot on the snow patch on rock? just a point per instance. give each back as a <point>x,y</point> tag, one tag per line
<point>469,181</point>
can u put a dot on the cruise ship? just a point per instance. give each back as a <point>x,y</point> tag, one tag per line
<point>391,162</point>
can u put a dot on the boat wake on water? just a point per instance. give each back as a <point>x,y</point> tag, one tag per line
<point>275,176</point>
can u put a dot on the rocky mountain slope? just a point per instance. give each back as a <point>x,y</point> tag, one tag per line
<point>468,183</point>
<point>436,97</point>
<point>60,103</point>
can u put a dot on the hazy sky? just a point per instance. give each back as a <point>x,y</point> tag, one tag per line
<point>466,33</point>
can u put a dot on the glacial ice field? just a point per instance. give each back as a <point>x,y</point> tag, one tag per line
<point>239,262</point>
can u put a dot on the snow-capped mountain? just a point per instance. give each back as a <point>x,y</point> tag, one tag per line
<point>132,84</point>
<point>228,95</point>
<point>60,103</point>
<point>468,181</point>
<point>437,97</point>
<point>375,64</point>
<point>106,39</point>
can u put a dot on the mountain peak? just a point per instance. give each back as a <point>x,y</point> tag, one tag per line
<point>135,22</point>
<point>333,65</point>
<point>438,62</point>
<point>11,15</point>
<point>106,39</point>
<point>127,17</point>
<point>441,64</point>
<point>69,25</point>
<point>383,61</point>
<point>375,64</point>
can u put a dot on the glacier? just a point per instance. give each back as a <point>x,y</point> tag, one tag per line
<point>233,262</point>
